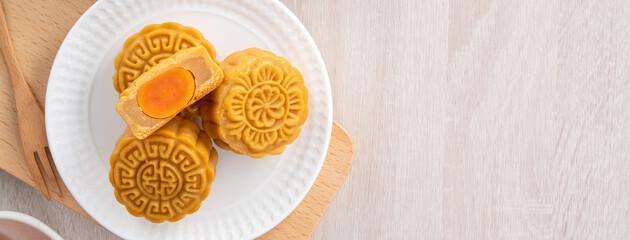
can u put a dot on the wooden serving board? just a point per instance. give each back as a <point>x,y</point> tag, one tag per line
<point>37,30</point>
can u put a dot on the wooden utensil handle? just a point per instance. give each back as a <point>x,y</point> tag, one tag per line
<point>24,98</point>
<point>23,95</point>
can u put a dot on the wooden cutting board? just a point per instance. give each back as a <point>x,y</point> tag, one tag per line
<point>37,30</point>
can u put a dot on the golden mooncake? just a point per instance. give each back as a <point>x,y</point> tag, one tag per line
<point>260,106</point>
<point>165,176</point>
<point>151,45</point>
<point>165,90</point>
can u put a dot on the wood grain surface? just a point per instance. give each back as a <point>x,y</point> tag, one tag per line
<point>485,119</point>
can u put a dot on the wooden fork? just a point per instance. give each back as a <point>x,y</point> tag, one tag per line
<point>30,118</point>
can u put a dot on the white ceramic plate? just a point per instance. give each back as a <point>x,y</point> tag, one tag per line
<point>249,196</point>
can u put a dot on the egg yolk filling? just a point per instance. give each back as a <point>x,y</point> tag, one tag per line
<point>167,94</point>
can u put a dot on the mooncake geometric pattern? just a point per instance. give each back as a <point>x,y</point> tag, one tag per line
<point>259,107</point>
<point>165,176</point>
<point>151,45</point>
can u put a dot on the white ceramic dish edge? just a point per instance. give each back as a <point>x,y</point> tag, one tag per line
<point>31,221</point>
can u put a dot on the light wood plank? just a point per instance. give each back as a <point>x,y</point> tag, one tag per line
<point>479,119</point>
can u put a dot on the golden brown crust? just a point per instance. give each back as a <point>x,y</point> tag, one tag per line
<point>165,176</point>
<point>260,106</point>
<point>151,45</point>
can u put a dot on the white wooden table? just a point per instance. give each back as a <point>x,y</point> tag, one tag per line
<point>486,119</point>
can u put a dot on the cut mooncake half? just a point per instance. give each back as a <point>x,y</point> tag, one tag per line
<point>149,47</point>
<point>260,106</point>
<point>165,176</point>
<point>166,89</point>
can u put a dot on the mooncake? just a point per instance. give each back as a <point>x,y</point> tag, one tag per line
<point>259,107</point>
<point>166,89</point>
<point>165,176</point>
<point>151,45</point>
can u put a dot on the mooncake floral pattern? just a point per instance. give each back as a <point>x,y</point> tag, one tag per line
<point>265,106</point>
<point>263,101</point>
<point>165,176</point>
